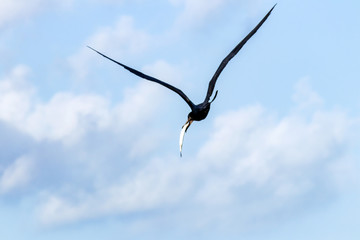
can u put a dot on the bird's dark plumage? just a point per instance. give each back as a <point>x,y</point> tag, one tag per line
<point>199,111</point>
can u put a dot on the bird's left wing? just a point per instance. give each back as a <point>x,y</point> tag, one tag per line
<point>231,55</point>
<point>147,77</point>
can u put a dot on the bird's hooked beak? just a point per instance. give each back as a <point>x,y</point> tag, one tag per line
<point>182,133</point>
<point>187,124</point>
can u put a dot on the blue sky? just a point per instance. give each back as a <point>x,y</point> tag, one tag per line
<point>89,151</point>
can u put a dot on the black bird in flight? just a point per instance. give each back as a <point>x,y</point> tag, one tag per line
<point>198,111</point>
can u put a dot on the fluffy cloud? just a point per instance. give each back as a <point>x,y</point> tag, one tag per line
<point>122,39</point>
<point>17,175</point>
<point>93,158</point>
<point>98,161</point>
<point>252,158</point>
<point>13,9</point>
<point>15,95</point>
<point>67,116</point>
<point>150,187</point>
<point>69,122</point>
<point>274,153</point>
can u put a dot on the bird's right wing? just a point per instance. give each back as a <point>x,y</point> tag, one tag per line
<point>147,77</point>
<point>231,55</point>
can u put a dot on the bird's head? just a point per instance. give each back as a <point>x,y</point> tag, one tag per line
<point>189,121</point>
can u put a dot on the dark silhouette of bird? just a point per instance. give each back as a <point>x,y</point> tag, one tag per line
<point>198,111</point>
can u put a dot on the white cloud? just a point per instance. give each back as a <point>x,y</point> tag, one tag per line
<point>17,175</point>
<point>15,95</point>
<point>123,37</point>
<point>252,158</point>
<point>276,153</point>
<point>273,161</point>
<point>254,148</point>
<point>66,116</point>
<point>118,41</point>
<point>138,103</point>
<point>150,188</point>
<point>13,10</point>
<point>59,118</point>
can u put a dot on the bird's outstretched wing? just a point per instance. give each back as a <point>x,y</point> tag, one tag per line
<point>147,77</point>
<point>231,55</point>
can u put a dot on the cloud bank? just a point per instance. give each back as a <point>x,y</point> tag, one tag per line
<point>251,158</point>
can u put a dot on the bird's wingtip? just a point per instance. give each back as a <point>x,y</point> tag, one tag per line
<point>270,10</point>
<point>91,48</point>
<point>274,6</point>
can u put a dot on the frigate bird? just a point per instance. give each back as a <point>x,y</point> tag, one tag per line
<point>198,111</point>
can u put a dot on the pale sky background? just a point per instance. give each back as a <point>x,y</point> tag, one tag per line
<point>90,151</point>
